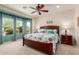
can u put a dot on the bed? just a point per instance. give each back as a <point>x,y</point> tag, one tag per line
<point>42,46</point>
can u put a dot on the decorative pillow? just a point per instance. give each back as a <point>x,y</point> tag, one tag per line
<point>55,31</point>
<point>49,31</point>
<point>42,30</point>
<point>36,31</point>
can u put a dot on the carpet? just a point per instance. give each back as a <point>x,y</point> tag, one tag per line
<point>16,48</point>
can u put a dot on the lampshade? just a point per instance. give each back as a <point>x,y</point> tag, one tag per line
<point>66,26</point>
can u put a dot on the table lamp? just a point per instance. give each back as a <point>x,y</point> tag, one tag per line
<point>66,26</point>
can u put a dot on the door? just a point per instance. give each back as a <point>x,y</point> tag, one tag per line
<point>18,28</point>
<point>28,27</point>
<point>7,28</point>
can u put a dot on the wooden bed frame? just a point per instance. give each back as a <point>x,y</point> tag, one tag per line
<point>41,46</point>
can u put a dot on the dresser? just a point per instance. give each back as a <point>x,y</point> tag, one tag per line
<point>66,39</point>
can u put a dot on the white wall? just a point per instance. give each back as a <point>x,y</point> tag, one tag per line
<point>76,26</point>
<point>34,21</point>
<point>59,19</point>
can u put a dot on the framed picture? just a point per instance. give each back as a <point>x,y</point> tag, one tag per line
<point>49,22</point>
<point>78,21</point>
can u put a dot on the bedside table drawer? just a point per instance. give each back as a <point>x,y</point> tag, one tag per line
<point>66,39</point>
<point>67,42</point>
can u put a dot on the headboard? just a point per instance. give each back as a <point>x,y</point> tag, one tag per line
<point>50,27</point>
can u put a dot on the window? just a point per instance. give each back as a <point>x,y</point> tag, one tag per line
<point>28,27</point>
<point>7,25</point>
<point>13,27</point>
<point>18,26</point>
<point>7,28</point>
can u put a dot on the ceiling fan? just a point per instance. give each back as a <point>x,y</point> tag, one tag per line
<point>39,9</point>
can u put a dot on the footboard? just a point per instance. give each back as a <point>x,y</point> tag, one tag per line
<point>41,46</point>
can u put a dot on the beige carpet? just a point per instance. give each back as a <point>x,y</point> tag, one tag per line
<point>16,48</point>
<point>67,50</point>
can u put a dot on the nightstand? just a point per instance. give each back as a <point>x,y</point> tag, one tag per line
<point>66,39</point>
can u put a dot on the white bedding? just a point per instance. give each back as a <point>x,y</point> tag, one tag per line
<point>44,37</point>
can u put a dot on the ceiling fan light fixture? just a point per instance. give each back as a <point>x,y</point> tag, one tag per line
<point>57,6</point>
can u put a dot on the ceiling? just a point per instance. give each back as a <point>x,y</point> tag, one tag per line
<point>24,10</point>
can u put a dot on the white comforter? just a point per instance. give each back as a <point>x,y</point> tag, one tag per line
<point>44,37</point>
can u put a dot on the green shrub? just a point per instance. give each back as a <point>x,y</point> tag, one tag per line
<point>8,30</point>
<point>20,29</point>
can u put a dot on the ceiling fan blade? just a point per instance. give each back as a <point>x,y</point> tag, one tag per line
<point>39,13</point>
<point>33,8</point>
<point>44,10</point>
<point>33,12</point>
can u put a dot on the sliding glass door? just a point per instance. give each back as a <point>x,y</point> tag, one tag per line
<point>7,28</point>
<point>28,26</point>
<point>19,28</point>
<point>13,27</point>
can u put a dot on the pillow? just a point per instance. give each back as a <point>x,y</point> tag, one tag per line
<point>55,31</point>
<point>49,31</point>
<point>36,31</point>
<point>42,30</point>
